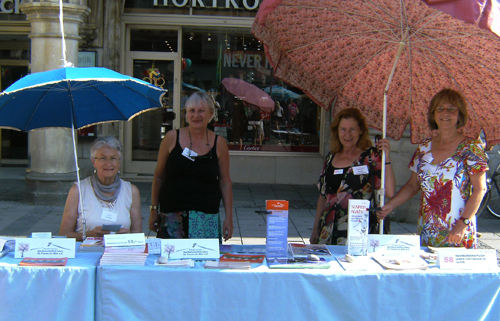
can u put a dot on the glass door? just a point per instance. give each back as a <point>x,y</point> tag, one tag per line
<point>144,133</point>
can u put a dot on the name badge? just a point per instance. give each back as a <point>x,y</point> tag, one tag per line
<point>109,215</point>
<point>338,172</point>
<point>427,158</point>
<point>189,154</point>
<point>360,170</point>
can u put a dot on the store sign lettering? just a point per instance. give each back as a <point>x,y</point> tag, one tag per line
<point>9,6</point>
<point>252,147</point>
<point>225,4</point>
<point>241,59</point>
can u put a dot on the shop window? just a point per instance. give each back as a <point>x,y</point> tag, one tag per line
<point>211,55</point>
<point>153,40</point>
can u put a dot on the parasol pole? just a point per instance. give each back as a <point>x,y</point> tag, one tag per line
<point>73,121</point>
<point>381,192</point>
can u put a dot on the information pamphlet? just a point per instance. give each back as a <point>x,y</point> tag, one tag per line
<point>401,262</point>
<point>92,244</point>
<point>303,250</point>
<point>243,265</point>
<point>31,261</point>
<point>176,263</point>
<point>277,229</point>
<point>357,230</point>
<point>297,263</point>
<point>242,258</point>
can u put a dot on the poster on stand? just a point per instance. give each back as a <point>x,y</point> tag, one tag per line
<point>277,229</point>
<point>357,230</point>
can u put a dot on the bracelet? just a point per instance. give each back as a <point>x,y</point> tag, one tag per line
<point>153,207</point>
<point>388,163</point>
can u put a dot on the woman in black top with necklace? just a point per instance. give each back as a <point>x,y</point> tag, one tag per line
<point>191,178</point>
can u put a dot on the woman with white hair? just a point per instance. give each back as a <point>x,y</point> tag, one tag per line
<point>191,178</point>
<point>107,199</point>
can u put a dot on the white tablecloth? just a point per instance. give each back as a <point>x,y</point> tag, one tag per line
<point>161,293</point>
<point>48,293</point>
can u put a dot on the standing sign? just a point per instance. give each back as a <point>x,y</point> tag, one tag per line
<point>357,233</point>
<point>277,229</point>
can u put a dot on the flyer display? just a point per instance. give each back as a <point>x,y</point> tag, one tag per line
<point>357,231</point>
<point>277,229</point>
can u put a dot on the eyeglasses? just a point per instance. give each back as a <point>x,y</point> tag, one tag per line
<point>103,160</point>
<point>450,109</point>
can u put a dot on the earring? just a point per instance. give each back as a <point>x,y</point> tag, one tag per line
<point>119,173</point>
<point>95,170</point>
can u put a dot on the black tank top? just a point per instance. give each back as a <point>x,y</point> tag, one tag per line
<point>191,185</point>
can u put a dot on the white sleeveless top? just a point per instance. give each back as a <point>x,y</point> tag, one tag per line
<point>93,207</point>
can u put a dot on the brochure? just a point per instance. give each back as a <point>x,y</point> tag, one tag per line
<point>303,250</point>
<point>176,263</point>
<point>244,265</point>
<point>30,261</point>
<point>242,258</point>
<point>401,262</point>
<point>357,230</point>
<point>92,244</point>
<point>297,263</point>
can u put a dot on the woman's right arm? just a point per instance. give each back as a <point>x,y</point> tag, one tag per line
<point>167,144</point>
<point>320,208</point>
<point>410,189</point>
<point>70,215</point>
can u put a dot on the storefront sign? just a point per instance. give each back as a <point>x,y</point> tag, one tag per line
<point>245,59</point>
<point>9,6</point>
<point>86,59</point>
<point>216,4</point>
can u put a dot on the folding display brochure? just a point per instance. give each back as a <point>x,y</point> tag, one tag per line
<point>357,230</point>
<point>45,248</point>
<point>198,249</point>
<point>393,244</point>
<point>277,229</point>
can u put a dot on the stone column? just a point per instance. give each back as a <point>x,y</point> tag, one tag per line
<point>52,166</point>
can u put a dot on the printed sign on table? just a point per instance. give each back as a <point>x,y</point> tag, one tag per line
<point>466,259</point>
<point>393,244</point>
<point>198,249</point>
<point>129,239</point>
<point>277,229</point>
<point>45,248</point>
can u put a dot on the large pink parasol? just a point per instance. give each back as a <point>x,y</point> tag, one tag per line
<point>249,93</point>
<point>345,53</point>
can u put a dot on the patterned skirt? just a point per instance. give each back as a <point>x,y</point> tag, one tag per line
<point>190,225</point>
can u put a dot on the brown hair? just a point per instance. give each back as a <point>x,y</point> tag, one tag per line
<point>453,97</point>
<point>364,140</point>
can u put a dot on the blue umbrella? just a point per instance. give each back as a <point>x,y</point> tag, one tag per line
<point>281,92</point>
<point>75,98</point>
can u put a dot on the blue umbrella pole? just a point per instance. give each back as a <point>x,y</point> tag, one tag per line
<point>80,201</point>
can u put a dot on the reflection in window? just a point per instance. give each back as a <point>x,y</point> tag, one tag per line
<point>211,55</point>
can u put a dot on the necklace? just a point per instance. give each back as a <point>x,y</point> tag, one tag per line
<point>191,144</point>
<point>109,205</point>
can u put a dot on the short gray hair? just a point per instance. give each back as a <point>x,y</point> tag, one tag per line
<point>110,141</point>
<point>198,98</point>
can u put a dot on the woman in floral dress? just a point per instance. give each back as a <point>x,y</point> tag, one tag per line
<point>450,170</point>
<point>346,175</point>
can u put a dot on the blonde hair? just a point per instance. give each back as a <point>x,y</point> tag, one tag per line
<point>364,140</point>
<point>198,98</point>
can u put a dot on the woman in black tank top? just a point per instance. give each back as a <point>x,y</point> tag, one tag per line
<point>191,178</point>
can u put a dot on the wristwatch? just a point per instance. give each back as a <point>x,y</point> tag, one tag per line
<point>465,220</point>
<point>153,207</point>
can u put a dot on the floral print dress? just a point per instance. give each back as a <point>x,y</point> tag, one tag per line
<point>352,186</point>
<point>445,190</point>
